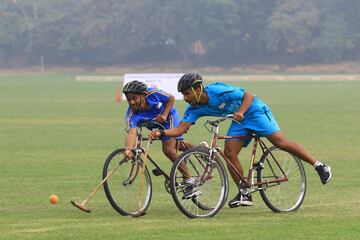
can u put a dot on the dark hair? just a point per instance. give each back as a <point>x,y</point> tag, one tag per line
<point>189,80</point>
<point>136,87</point>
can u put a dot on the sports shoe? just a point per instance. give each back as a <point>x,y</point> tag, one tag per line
<point>156,172</point>
<point>241,200</point>
<point>324,172</point>
<point>191,189</point>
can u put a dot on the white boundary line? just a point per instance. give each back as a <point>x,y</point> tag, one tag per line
<point>285,78</point>
<point>250,78</point>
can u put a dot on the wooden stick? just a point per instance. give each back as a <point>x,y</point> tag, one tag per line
<point>82,205</point>
<point>142,181</point>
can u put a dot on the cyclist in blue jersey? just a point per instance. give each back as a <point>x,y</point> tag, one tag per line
<point>152,103</point>
<point>219,99</point>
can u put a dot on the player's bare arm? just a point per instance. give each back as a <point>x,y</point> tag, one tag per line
<point>246,103</point>
<point>167,108</point>
<point>172,132</point>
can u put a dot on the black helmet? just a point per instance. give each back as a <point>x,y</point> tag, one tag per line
<point>135,87</point>
<point>189,80</point>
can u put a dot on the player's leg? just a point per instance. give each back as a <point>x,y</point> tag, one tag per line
<point>169,150</point>
<point>279,140</point>
<point>268,127</point>
<point>231,151</point>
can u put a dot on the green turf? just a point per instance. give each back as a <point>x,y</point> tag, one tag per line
<point>55,134</point>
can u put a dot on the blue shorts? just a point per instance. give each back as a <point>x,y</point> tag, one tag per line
<point>261,122</point>
<point>173,122</point>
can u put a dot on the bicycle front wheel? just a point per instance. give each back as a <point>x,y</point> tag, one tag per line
<point>127,190</point>
<point>210,183</point>
<point>284,180</point>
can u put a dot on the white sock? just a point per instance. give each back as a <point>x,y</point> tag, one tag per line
<point>318,164</point>
<point>190,180</point>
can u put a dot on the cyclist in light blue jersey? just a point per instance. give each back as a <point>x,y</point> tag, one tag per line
<point>219,99</point>
<point>148,104</point>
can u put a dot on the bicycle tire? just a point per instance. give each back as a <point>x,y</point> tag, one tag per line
<point>123,195</point>
<point>211,180</point>
<point>282,196</point>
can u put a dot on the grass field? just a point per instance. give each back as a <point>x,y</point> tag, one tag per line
<point>55,134</point>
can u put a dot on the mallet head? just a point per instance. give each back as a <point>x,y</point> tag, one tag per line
<point>80,206</point>
<point>139,214</point>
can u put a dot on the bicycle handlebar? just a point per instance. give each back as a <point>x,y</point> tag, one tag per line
<point>217,121</point>
<point>147,122</point>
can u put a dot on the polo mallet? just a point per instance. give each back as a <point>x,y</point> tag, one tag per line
<point>82,205</point>
<point>142,183</point>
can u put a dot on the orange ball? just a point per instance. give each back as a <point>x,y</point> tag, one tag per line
<point>53,199</point>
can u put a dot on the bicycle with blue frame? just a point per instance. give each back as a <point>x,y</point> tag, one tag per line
<point>277,175</point>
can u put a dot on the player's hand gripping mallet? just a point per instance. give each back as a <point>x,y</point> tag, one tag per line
<point>82,205</point>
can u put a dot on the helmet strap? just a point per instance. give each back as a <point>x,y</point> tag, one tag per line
<point>197,97</point>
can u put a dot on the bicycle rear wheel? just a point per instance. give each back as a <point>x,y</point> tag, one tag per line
<point>284,195</point>
<point>210,180</point>
<point>126,191</point>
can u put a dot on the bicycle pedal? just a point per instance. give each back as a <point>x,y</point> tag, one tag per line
<point>245,191</point>
<point>156,172</point>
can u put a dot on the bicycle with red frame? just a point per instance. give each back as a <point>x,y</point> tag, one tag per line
<point>278,176</point>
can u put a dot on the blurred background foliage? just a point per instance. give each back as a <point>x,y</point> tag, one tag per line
<point>199,32</point>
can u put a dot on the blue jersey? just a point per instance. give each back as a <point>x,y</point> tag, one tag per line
<point>157,100</point>
<point>225,99</point>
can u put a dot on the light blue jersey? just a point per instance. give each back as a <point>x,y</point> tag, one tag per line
<point>226,99</point>
<point>156,99</point>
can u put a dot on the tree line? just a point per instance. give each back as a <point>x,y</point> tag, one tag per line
<point>221,32</point>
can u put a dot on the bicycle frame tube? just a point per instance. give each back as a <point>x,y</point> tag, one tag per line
<point>214,148</point>
<point>132,175</point>
<point>248,181</point>
<point>250,171</point>
<point>232,167</point>
<point>263,146</point>
<point>139,140</point>
<point>206,174</point>
<point>158,167</point>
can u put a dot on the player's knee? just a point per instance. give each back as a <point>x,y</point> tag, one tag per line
<point>169,152</point>
<point>230,154</point>
<point>284,145</point>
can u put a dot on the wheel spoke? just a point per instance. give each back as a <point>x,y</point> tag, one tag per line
<point>287,195</point>
<point>122,187</point>
<point>210,184</point>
